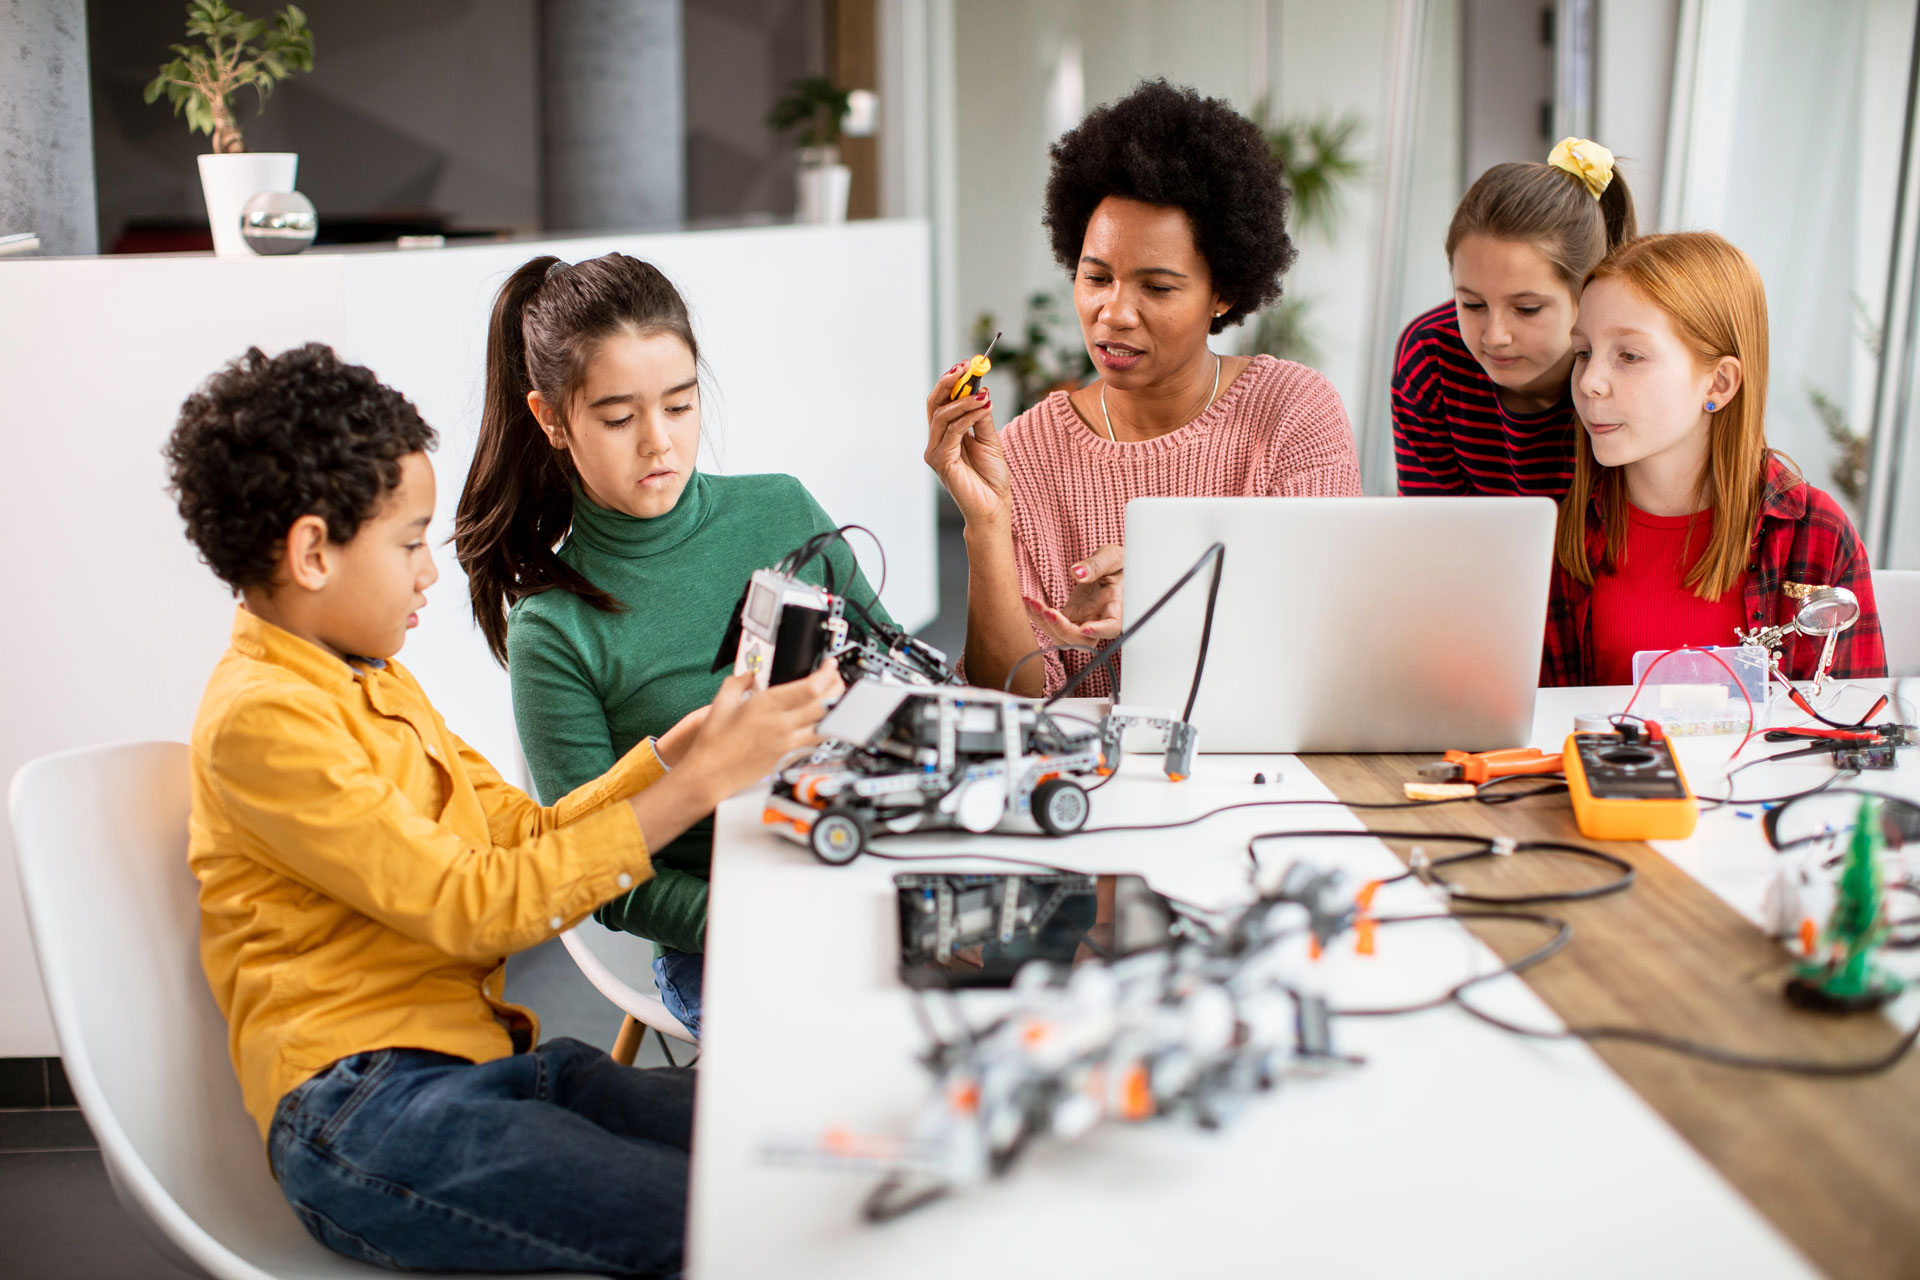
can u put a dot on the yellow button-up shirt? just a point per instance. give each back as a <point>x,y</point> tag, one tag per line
<point>364,873</point>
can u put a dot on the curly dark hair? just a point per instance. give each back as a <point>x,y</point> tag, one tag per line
<point>1170,146</point>
<point>269,439</point>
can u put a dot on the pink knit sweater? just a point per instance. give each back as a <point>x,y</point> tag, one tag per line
<point>1277,430</point>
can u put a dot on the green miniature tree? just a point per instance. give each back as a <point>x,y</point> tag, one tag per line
<point>816,103</point>
<point>203,78</point>
<point>1847,977</point>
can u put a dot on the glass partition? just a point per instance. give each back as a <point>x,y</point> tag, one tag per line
<point>1787,137</point>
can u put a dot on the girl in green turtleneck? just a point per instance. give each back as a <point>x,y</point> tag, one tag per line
<point>590,431</point>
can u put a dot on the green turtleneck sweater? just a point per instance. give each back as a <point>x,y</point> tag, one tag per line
<point>588,685</point>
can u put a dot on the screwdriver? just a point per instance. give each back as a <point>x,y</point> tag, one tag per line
<point>976,369</point>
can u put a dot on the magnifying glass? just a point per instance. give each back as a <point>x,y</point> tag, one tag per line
<point>1825,613</point>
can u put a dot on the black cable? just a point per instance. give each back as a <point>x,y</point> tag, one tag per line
<point>1217,553</point>
<point>1563,934</point>
<point>1552,789</point>
<point>1770,821</point>
<point>1489,849</point>
<point>1006,686</point>
<point>1506,798</point>
<point>1632,1035</point>
<point>1048,867</point>
<point>1716,802</point>
<point>816,546</point>
<point>1707,1052</point>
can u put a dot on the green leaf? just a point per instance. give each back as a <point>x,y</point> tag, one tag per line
<point>229,57</point>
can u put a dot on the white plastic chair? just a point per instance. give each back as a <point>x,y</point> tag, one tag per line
<point>100,836</point>
<point>1896,593</point>
<point>645,1011</point>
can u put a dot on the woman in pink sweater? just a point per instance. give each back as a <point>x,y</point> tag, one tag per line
<point>1169,212</point>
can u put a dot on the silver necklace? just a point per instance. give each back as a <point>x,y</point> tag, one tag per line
<point>1107,418</point>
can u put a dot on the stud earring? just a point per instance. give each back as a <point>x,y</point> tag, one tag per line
<point>1709,406</point>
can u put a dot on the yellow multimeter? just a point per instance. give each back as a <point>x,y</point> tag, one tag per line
<point>1628,786</point>
<point>977,368</point>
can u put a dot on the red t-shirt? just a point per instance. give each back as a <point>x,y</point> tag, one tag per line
<point>1642,604</point>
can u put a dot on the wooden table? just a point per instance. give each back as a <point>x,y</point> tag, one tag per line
<point>1834,1164</point>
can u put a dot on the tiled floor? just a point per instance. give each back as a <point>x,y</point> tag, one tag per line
<point>59,1219</point>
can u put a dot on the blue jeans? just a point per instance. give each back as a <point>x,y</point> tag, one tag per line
<point>677,974</point>
<point>555,1160</point>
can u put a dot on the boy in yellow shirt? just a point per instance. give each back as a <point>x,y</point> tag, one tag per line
<point>364,873</point>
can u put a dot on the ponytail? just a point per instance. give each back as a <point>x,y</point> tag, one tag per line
<point>1616,208</point>
<point>1553,207</point>
<point>518,499</point>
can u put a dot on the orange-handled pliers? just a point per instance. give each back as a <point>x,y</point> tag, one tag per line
<point>1480,766</point>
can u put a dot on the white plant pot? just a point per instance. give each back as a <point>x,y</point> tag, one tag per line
<point>229,181</point>
<point>821,192</point>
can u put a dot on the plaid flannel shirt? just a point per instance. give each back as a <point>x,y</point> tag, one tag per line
<point>1802,538</point>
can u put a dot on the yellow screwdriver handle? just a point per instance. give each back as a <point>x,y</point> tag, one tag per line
<point>977,368</point>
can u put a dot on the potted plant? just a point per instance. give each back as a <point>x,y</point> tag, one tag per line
<point>817,107</point>
<point>1320,159</point>
<point>236,52</point>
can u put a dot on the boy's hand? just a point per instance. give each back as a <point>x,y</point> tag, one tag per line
<point>747,732</point>
<point>672,745</point>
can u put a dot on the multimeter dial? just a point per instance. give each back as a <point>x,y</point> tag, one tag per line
<point>1617,769</point>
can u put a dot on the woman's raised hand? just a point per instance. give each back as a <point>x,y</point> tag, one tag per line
<point>963,448</point>
<point>1092,611</point>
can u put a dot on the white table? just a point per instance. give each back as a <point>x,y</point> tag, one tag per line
<point>1727,852</point>
<point>1457,1150</point>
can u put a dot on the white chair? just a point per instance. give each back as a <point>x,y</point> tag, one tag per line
<point>100,836</point>
<point>1896,593</point>
<point>645,1011</point>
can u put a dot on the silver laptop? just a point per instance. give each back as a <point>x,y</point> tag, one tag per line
<point>1344,624</point>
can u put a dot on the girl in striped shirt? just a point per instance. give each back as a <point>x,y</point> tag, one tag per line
<point>1480,396</point>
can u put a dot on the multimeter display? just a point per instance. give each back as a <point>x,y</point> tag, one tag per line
<point>1628,787</point>
<point>1617,770</point>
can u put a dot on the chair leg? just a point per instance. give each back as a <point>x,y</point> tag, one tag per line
<point>627,1043</point>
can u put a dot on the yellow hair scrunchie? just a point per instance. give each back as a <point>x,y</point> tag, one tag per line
<point>1588,161</point>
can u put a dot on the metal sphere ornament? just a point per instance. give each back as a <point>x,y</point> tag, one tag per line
<point>276,222</point>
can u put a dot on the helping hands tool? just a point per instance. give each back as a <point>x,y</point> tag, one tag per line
<point>977,368</point>
<point>1823,614</point>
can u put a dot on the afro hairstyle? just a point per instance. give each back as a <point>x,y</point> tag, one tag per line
<point>1169,146</point>
<point>269,439</point>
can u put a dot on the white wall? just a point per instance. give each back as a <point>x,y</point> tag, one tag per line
<point>1507,84</point>
<point>1792,151</point>
<point>115,624</point>
<point>1330,61</point>
<point>1014,64</point>
<point>1633,91</point>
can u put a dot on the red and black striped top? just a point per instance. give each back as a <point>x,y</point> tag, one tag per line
<point>1451,434</point>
